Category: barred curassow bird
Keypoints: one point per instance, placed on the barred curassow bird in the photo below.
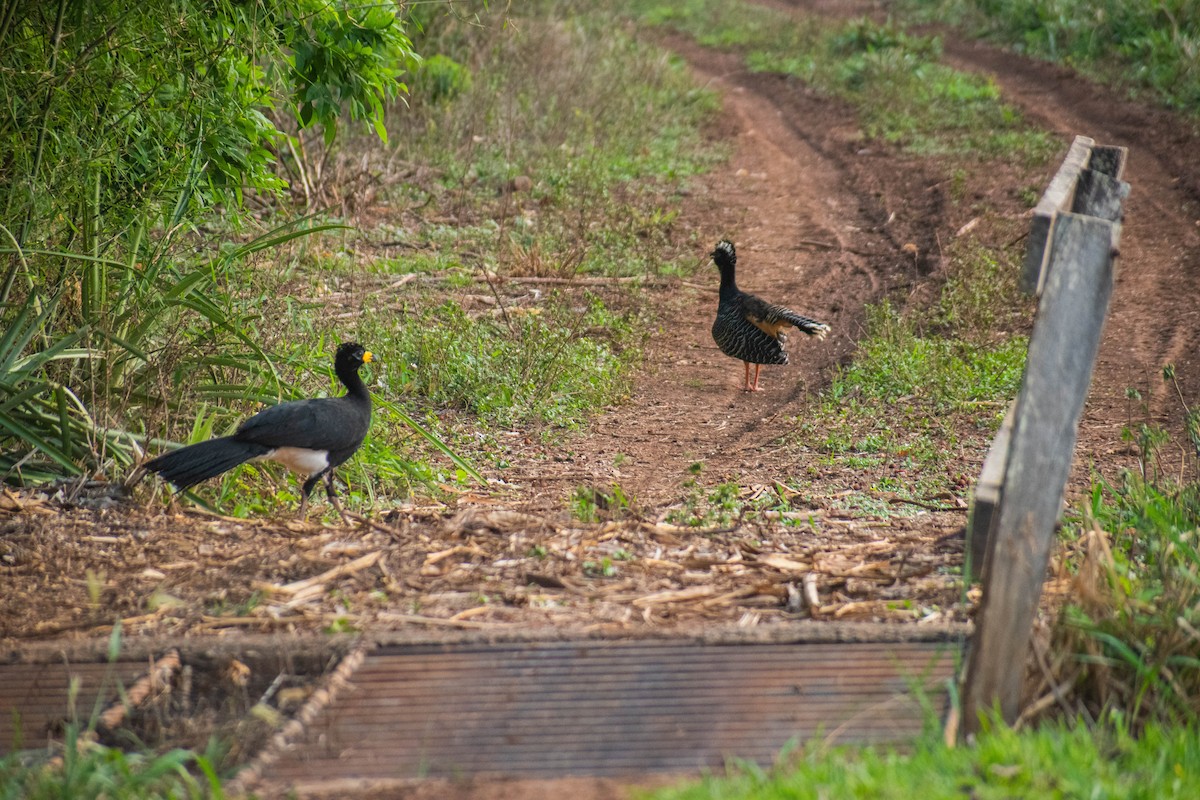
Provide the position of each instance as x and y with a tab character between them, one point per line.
750	328
309	437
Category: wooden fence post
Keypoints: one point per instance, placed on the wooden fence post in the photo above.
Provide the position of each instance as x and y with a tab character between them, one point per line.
1020	492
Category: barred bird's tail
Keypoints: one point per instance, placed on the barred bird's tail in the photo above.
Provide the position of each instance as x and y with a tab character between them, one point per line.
806	325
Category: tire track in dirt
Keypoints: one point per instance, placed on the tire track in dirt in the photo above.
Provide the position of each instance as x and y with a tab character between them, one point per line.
800	176
805	239
1154	318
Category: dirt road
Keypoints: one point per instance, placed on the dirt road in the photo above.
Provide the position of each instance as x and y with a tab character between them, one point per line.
822	222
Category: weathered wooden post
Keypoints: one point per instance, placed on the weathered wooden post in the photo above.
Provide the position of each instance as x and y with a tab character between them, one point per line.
1069	263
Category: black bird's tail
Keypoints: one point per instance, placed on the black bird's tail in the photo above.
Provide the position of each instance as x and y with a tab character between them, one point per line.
189	465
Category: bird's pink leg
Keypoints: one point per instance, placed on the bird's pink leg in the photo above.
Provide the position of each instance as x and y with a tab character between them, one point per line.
755	388
746	380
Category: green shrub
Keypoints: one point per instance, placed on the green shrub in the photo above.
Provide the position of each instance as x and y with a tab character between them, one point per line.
441	78
89	771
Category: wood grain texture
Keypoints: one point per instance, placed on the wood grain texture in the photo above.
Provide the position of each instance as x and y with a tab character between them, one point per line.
1062	351
1057	197
987	496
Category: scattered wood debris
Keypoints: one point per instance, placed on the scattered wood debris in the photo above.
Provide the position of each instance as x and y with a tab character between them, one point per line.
75	571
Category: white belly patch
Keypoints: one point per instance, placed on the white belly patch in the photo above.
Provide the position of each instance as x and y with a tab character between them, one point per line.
299	459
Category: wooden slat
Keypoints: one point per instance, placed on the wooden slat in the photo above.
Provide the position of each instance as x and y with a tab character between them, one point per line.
1100	195
1062	351
1057	197
1109	159
987	497
554	709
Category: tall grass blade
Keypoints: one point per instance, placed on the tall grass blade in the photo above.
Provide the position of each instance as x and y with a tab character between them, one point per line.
434	440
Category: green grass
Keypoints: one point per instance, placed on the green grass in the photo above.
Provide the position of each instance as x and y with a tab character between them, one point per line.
728	503
555	367
95	772
894	79
590	504
1145	45
897	360
1134	547
925	391
1052	761
606	128
1140	621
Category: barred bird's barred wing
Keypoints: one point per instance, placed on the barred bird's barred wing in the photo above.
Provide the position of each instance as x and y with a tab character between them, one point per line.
739	335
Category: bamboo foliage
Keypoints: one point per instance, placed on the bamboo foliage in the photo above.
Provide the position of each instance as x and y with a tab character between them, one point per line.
123	130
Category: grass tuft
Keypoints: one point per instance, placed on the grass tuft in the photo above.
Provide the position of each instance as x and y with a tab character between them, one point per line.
1147	45
903	94
925	388
1134	617
1053	761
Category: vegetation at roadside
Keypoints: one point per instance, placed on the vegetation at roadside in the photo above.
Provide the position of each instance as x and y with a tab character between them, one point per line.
89	771
894	79
536	203
1053	761
1144	45
126	137
187	303
1130	638
926	385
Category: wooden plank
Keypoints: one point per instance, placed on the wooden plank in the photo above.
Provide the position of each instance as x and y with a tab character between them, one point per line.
987	496
1109	159
1100	195
1062	351
1057	197
35	699
594	708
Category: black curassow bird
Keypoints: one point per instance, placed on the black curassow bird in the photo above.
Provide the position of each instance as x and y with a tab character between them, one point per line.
309	437
750	328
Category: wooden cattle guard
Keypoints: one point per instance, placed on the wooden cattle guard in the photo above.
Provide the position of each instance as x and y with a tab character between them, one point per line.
1036	447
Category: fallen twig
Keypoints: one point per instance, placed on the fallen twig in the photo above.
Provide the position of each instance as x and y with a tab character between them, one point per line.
416	619
675	596
810	592
357	565
370	523
142	689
